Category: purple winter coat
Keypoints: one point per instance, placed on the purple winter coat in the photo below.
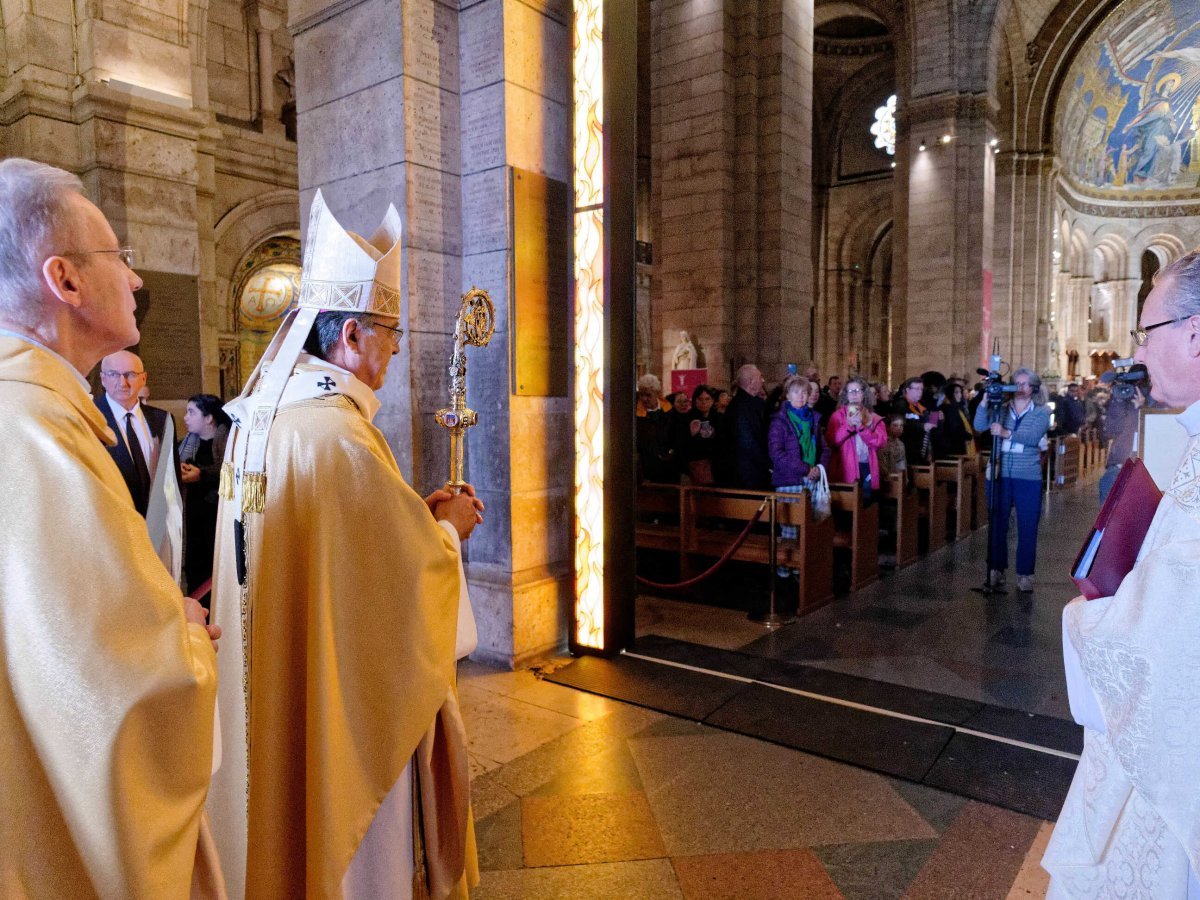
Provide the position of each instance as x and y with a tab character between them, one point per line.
787	462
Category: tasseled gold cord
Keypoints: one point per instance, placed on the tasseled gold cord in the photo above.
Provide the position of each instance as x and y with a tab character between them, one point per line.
225	486
254	492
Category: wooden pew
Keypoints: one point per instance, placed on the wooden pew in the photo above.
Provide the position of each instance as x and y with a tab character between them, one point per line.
1065	461
705	509
658	516
932	506
858	532
899	494
953	474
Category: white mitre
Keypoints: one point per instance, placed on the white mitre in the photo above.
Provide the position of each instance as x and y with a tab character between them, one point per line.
341	272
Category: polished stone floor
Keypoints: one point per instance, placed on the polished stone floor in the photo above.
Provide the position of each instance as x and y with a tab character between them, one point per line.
923	626
578	796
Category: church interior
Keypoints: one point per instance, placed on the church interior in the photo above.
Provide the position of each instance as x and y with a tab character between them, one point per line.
880	188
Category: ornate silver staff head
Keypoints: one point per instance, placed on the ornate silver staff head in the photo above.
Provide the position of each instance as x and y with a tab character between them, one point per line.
475	325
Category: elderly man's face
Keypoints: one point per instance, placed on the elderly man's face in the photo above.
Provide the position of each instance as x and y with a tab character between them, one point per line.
122	375
106	283
378	342
1171	353
752	383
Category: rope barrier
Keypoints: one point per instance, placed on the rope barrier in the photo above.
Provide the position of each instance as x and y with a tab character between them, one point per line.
708	573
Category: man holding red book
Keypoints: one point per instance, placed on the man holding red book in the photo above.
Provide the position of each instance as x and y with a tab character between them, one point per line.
1131	822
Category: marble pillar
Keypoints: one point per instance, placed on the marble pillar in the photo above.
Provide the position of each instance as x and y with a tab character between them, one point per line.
437	128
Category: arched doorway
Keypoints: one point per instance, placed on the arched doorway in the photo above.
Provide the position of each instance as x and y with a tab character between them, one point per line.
266	286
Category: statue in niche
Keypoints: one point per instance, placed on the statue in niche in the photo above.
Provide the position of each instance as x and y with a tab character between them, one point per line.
685	353
287	115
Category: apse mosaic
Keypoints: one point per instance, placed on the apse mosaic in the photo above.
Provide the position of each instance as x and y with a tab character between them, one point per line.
1129	115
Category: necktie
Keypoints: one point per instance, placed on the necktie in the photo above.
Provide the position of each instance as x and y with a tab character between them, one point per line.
135	450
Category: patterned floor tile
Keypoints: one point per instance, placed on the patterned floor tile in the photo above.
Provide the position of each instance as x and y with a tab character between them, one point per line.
879	871
652	879
498	838
766	875
978	857
589	828
1032	880
732	794
503	729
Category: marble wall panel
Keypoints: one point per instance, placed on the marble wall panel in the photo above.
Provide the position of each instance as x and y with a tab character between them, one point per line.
537	133
534	47
432	126
543	527
355	134
483	129
486	201
482	54
358	49
433	290
430	42
434	200
148	62
540	615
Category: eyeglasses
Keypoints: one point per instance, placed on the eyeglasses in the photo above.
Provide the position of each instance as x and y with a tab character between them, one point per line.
397	333
127	376
125	252
854	389
1140	335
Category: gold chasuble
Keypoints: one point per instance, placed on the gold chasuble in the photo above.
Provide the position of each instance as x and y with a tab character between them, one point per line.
106	692
341	659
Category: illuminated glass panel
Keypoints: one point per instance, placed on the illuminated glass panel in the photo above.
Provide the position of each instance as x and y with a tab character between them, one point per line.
588	74
884	127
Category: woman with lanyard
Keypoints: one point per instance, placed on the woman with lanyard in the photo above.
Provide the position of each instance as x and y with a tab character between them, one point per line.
1022	428
794	443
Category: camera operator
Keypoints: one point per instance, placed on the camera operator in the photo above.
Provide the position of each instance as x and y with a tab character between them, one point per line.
1120	426
1021	424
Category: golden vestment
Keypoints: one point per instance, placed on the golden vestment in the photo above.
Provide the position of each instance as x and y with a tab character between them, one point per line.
106	692
347	622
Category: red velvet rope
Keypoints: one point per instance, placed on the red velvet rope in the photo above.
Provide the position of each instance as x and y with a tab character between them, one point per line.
733	548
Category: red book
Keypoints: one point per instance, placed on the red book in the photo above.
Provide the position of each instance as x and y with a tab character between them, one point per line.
1111	550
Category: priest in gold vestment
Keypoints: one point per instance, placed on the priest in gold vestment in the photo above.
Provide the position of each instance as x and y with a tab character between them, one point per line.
107	675
344	769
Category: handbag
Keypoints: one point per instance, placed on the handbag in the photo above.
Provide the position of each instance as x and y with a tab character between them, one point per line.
821	504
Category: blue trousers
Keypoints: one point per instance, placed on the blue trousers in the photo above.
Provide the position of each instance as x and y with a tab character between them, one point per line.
1026	496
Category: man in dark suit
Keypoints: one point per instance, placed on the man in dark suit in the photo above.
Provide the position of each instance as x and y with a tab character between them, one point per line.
141	429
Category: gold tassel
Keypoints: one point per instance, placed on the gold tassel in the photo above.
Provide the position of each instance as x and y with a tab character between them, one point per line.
225	486
254	492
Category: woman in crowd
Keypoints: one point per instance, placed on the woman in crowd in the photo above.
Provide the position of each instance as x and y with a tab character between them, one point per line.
794	441
702	435
918	422
201	453
724	398
954	436
855	434
1022	428
883	399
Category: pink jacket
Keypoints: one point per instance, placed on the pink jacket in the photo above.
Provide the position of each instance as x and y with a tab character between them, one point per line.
843	454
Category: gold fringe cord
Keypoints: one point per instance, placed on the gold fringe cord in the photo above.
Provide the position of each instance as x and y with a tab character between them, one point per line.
254	492
225	486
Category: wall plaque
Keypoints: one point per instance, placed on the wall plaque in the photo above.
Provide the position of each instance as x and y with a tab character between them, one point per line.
540	241
168	315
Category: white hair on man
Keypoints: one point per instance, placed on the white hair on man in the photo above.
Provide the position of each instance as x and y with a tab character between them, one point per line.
36	219
649	384
746	374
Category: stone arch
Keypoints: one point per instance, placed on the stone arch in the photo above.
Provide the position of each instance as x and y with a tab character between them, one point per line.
237	234
1167	247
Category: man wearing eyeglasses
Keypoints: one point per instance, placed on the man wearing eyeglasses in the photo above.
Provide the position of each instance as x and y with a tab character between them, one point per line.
1130	821
107	673
141	429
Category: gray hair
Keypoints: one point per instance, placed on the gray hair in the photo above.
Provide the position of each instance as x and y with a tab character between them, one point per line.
650	384
35	219
868	399
744	374
1186	272
1035	382
327	330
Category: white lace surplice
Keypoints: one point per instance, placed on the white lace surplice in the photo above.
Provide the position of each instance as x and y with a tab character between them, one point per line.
1130	827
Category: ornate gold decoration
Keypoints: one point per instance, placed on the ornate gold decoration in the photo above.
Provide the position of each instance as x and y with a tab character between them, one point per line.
475	325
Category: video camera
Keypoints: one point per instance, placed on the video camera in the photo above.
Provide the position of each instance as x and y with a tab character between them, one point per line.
1124	378
993	384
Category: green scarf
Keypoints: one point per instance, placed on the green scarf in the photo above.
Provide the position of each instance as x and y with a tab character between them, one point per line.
802	423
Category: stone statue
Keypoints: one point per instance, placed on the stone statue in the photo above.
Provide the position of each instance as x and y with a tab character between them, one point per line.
685	353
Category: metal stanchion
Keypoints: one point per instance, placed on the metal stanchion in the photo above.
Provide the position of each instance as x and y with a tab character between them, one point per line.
772	619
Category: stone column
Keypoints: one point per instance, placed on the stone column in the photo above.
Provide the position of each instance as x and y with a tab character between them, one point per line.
515	110
388	128
949	233
731	124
